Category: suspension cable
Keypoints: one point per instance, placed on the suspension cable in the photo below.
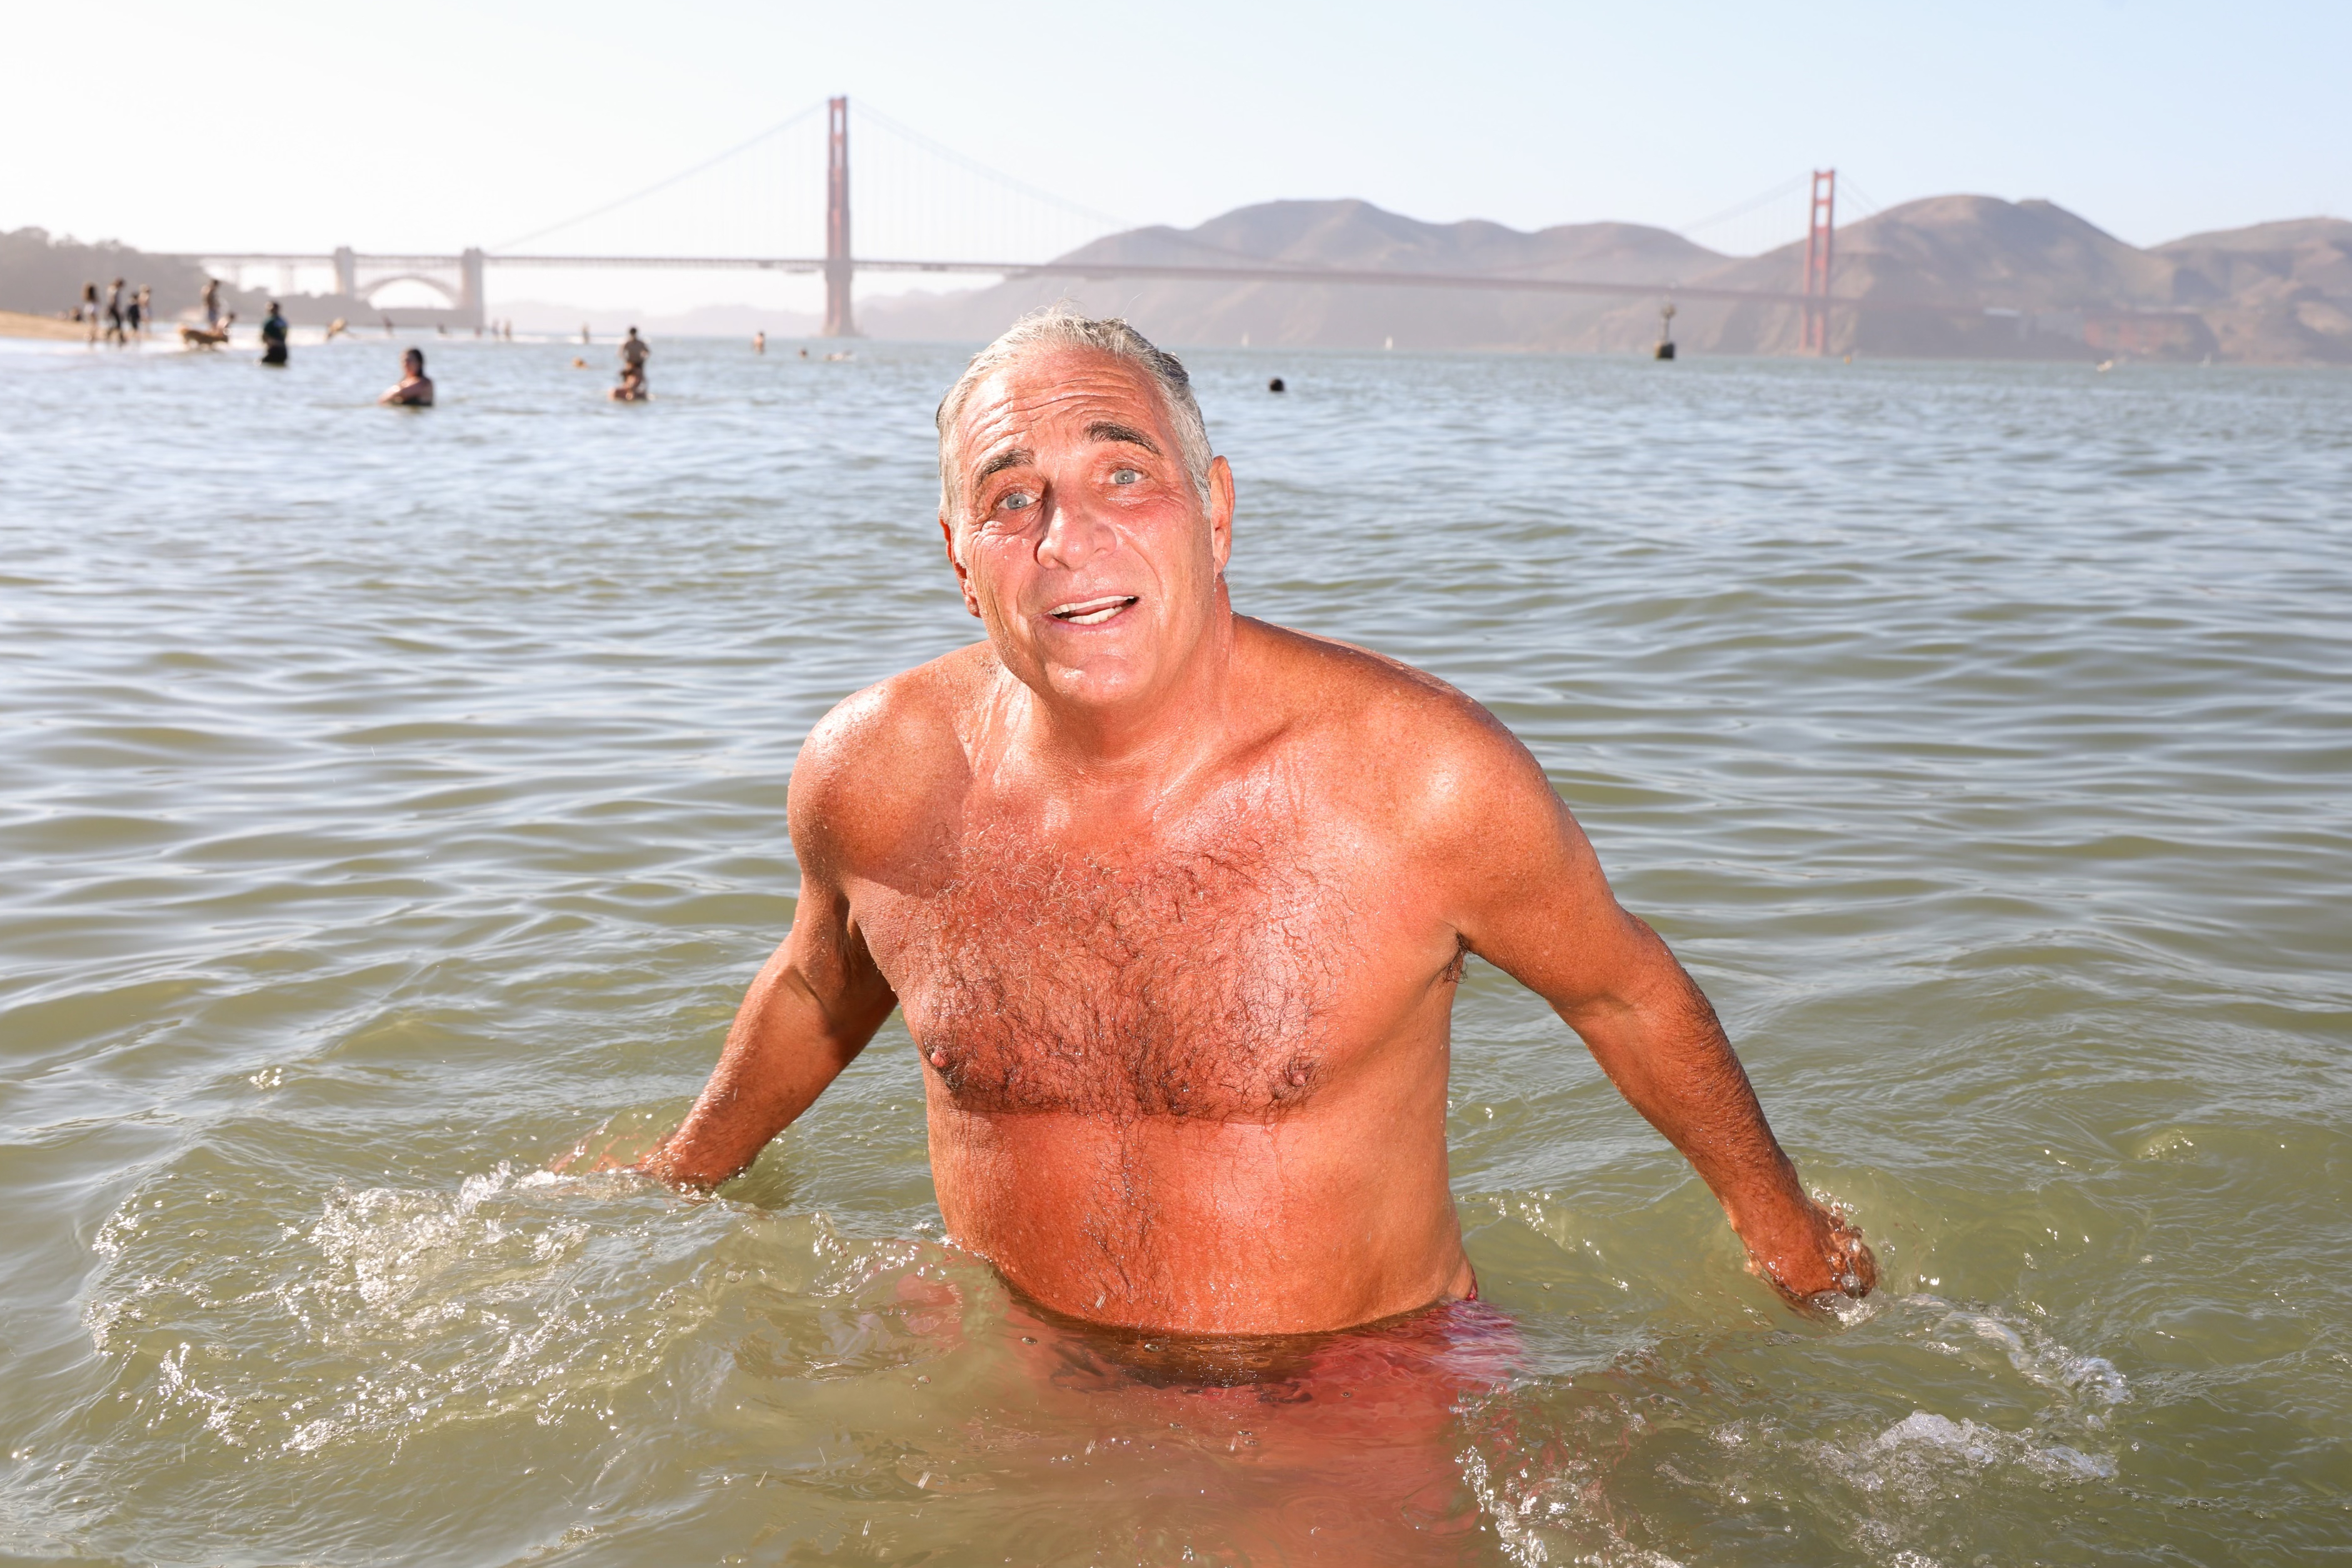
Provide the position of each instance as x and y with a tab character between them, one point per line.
599	212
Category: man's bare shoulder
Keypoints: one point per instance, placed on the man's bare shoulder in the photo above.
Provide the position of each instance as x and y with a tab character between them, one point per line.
880	769
1432	758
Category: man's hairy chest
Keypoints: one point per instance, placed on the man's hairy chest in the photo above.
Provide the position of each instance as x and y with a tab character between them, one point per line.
1205	977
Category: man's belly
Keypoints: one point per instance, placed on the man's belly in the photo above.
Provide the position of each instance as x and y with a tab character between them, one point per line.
1316	1220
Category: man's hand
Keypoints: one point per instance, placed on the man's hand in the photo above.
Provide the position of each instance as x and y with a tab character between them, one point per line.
1816	1254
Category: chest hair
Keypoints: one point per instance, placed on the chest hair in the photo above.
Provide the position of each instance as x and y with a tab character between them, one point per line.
1188	979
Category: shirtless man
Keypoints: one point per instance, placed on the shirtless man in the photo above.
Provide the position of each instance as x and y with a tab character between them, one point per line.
414	389
1176	902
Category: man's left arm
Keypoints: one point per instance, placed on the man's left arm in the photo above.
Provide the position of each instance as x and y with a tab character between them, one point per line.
1532	900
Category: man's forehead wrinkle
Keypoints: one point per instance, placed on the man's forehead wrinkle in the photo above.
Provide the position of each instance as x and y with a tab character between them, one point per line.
1114	402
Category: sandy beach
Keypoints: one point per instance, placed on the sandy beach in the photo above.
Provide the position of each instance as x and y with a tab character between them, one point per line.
17	324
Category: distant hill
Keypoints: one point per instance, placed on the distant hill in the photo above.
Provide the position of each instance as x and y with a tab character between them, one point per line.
1975	276
42	276
1353	233
2279	292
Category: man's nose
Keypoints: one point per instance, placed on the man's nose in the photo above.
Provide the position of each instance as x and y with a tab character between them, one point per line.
1074	535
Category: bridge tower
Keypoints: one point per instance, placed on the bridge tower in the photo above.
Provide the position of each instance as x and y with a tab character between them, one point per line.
1820	232
839	322
347	270
469	287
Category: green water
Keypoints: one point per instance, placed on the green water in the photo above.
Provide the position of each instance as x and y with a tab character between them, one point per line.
387	799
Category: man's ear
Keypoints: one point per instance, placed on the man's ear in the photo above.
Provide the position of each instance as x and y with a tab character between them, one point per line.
1220	511
964	577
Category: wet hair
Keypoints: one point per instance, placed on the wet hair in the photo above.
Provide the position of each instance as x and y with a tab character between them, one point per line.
417	354
1059	327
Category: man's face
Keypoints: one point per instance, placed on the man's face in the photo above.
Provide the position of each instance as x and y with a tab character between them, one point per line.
1079	537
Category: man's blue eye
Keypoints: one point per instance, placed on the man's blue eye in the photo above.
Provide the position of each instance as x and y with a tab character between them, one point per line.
1126	477
1017	500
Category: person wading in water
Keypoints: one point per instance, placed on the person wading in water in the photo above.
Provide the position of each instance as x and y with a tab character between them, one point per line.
635	352
414	388
1176	904
273	336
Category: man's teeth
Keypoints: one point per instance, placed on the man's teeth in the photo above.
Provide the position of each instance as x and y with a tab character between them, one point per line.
1092	611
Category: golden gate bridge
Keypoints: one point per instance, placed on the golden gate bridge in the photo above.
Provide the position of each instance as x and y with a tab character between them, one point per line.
458	279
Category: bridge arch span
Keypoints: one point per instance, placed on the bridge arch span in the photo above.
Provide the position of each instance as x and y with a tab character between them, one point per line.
377	286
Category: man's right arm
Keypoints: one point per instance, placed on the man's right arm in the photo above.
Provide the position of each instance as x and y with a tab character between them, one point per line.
806	1016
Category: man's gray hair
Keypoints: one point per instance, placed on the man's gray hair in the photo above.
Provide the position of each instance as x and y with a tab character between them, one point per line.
1059	327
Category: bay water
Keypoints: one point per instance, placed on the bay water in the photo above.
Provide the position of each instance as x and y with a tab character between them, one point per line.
390	801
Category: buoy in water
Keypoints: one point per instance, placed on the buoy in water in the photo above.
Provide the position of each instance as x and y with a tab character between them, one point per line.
1276	385
1666	349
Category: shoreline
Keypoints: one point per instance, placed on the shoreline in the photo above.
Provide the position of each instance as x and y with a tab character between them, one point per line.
18	324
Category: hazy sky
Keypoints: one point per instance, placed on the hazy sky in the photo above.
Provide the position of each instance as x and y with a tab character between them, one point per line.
428	124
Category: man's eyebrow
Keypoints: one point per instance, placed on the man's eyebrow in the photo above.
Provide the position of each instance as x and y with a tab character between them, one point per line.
1011	457
1105	430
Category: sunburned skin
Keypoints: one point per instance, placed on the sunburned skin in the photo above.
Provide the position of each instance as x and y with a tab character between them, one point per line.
1175	904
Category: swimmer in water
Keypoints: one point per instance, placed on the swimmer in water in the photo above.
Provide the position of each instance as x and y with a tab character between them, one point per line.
1176	904
632	388
414	389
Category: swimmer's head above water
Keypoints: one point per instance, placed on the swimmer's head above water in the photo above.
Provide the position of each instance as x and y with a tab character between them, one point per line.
1175	902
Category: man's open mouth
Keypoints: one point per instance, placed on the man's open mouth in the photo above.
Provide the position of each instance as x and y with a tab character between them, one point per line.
1091	611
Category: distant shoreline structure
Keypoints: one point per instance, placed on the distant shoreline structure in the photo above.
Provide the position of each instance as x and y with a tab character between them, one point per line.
1947	276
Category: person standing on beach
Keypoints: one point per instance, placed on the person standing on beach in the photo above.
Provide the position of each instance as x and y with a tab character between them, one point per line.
89	310
212	305
134	313
273	336
114	314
